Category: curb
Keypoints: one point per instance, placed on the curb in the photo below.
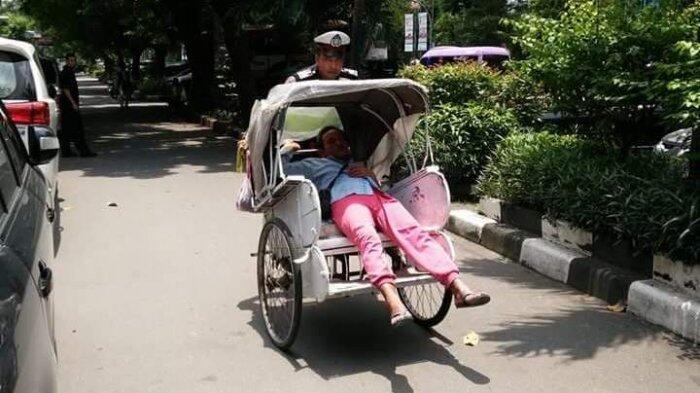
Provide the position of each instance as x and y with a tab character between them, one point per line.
562	264
548	259
662	305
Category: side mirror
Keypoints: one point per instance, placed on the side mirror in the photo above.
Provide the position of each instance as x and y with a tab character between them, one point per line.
52	91
43	145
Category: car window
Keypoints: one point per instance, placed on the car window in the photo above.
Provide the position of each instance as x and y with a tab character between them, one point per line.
305	122
495	61
8	180
47	66
16	81
14	146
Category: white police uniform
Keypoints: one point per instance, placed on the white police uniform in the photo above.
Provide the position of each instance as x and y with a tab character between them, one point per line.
334	39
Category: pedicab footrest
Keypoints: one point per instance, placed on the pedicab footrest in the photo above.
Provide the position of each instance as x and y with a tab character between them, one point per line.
337	289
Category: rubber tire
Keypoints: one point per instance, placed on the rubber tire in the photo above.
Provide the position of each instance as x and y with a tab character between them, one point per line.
439	315
296	282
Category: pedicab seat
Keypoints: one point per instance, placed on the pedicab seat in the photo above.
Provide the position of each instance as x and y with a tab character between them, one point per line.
333	242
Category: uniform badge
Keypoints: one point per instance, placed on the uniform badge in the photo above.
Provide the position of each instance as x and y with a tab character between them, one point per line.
336	41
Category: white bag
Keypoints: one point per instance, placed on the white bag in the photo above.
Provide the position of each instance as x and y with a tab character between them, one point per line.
244	201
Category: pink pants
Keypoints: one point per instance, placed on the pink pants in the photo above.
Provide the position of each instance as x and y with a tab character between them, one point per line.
358	216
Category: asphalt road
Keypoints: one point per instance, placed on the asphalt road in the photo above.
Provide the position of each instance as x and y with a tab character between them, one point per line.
157	294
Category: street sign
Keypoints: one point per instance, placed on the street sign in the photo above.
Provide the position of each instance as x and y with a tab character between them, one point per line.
422	31
408	33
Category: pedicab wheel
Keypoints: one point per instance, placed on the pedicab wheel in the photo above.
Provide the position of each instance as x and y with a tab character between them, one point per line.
428	303
279	284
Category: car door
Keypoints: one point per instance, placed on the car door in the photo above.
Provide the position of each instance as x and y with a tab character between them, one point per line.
27	350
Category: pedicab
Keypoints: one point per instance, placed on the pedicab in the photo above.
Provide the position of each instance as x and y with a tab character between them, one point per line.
302	258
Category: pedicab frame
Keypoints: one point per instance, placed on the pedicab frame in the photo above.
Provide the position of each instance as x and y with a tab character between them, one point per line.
301	258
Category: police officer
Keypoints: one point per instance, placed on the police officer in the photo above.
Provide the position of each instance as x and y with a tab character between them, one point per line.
330	54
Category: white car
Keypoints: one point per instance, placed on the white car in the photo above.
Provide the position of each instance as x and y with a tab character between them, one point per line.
29	101
676	142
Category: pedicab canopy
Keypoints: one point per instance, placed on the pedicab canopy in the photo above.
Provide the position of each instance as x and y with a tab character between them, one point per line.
378	117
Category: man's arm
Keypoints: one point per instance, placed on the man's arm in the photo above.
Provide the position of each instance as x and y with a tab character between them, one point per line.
66	93
362	171
63	83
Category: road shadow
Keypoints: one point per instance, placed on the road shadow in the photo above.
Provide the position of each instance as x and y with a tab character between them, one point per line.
688	350
352	336
574	333
145	142
149	151
571	333
511	273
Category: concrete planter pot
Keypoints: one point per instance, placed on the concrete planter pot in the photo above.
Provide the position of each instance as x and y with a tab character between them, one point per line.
222	126
682	277
207	121
566	234
508	213
491	208
522	218
621	253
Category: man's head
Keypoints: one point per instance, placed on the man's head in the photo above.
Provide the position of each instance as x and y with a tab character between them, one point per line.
330	53
70	60
333	143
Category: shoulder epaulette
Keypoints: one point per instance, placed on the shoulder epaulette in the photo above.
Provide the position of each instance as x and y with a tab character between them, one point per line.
304	74
349	73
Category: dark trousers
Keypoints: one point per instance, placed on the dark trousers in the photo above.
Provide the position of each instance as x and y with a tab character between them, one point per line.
72	131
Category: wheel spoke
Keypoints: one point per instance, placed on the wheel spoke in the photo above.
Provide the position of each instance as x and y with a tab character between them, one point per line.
278	287
425	301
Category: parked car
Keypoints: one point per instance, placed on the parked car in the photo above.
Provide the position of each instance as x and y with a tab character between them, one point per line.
27	342
30	102
493	56
676	142
50	68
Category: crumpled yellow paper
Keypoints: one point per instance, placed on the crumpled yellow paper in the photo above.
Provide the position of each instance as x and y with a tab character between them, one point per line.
471	339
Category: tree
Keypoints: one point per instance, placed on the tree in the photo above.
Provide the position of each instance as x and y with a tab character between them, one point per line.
598	60
678	91
470	22
16	25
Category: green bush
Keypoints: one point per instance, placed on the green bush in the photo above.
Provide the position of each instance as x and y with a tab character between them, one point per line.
462	137
460	83
456	83
613	62
584	182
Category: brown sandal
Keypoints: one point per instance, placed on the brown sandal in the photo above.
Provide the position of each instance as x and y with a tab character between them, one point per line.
400	318
473	299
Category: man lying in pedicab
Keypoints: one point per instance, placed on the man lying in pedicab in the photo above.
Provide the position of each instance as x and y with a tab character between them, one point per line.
359	207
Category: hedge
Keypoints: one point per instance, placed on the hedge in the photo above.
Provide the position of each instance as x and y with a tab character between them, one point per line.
462	138
643	199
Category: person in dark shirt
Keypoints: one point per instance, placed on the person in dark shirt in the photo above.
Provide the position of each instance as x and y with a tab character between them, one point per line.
71	121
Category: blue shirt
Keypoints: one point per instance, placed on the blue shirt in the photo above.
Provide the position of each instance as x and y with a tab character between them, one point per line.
322	171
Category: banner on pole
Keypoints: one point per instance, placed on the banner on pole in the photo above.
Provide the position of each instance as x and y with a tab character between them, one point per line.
408	33
422	31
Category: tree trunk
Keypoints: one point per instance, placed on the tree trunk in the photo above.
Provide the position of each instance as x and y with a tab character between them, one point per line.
136	64
195	27
357	41
694	158
239	54
159	60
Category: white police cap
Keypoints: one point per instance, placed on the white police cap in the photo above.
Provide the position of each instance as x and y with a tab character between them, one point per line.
335	39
